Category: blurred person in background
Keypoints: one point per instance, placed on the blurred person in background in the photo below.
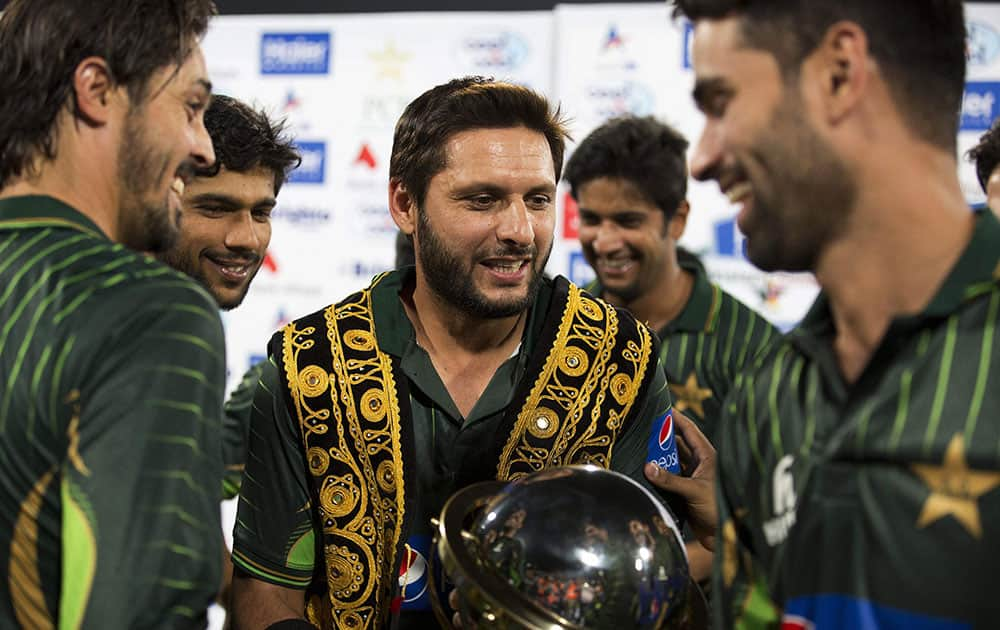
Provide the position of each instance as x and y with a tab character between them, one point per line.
113	364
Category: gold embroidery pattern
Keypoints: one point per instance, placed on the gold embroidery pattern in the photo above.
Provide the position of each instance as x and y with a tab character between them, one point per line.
25	582
351	431
568	418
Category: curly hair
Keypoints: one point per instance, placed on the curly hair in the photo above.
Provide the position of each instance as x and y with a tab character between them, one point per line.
919	46
986	154
43	41
423	130
245	139
643	151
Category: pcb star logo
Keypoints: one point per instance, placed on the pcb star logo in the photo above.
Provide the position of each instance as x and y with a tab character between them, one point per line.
955	489
690	396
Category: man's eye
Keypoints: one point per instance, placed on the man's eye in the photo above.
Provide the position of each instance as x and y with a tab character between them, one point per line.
482	201
540	201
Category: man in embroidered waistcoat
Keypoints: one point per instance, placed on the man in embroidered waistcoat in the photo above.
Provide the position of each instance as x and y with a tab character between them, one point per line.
224	233
112	364
859	468
629	177
469	366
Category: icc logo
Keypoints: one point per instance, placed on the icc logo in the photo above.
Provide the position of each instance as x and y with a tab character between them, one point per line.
783	494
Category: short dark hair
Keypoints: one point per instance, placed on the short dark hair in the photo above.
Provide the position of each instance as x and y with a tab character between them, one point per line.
986	154
643	151
919	45
245	139
423	130
43	41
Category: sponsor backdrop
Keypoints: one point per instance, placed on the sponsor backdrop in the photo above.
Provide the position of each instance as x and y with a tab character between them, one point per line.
342	80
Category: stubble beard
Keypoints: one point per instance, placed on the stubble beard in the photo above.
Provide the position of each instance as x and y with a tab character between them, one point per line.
810	206
146	223
443	270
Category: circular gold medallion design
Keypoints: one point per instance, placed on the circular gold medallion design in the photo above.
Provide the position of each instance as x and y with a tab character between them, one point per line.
543	423
359	340
573	361
591	309
386	476
340	572
318	459
313	380
373	405
351	620
337	500
621	385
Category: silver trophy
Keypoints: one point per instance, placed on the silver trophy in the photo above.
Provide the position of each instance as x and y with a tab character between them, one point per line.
571	547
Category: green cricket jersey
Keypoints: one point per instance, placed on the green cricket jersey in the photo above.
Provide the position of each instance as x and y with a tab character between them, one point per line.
706	345
236	429
274	539
874	504
112	373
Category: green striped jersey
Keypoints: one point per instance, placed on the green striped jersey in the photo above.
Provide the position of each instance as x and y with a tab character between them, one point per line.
706	345
111	379
877	503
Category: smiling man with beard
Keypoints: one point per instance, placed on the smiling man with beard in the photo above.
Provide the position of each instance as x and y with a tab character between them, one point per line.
225	229
859	472
629	177
112	364
468	366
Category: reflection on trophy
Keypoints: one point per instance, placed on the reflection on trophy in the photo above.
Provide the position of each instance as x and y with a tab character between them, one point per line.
572	547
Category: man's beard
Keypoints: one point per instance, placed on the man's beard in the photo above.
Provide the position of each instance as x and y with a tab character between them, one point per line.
146	224
811	196
447	278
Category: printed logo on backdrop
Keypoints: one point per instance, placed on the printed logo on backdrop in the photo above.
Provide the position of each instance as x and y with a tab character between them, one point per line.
302	216
614	55
580	271
255	358
983	43
380	111
500	51
728	240
571	217
270	264
389	61
375	220
295	53
312	170
608	100
366	157
979	105
688	43
366	269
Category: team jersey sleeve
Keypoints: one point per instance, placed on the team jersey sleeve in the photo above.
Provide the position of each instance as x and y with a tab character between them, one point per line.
273	540
631	448
741	597
140	485
235	429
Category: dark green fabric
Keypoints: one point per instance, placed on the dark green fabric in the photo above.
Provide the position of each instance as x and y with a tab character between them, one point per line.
112	369
835	489
706	345
272	517
236	429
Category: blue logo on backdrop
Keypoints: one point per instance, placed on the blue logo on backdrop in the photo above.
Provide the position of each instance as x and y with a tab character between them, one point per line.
979	105
580	271
497	51
312	170
983	42
728	240
687	41
295	53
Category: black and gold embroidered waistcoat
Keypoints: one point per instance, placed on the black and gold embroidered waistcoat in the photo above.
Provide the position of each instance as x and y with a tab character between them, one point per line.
584	382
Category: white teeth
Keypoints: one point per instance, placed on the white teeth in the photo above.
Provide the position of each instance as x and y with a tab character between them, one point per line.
510	268
738	191
615	264
178	186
